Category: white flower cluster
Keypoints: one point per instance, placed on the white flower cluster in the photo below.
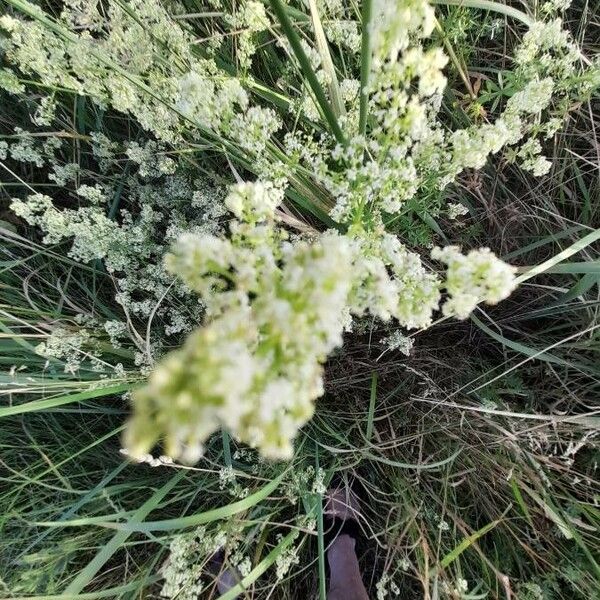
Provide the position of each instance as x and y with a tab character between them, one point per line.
555	6
394	23
286	560
345	33
151	159
163	95
391	282
458	589
94	235
70	346
10	82
456	210
406	154
532	159
183	571
473	278
381	172
253	128
148	459
131	242
398	341
28	149
45	112
254	202
301	482
533	99
189	557
228	481
255	367
249	19
386	587
275	311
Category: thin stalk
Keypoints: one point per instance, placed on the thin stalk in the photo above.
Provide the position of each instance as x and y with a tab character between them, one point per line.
318	506
372	400
323	47
455	60
307	70
365	65
497	7
226	448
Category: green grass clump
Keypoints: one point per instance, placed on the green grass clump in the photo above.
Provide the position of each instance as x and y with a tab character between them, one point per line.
472	444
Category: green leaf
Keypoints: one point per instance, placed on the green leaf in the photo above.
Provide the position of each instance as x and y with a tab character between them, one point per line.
38	405
555	260
372	401
466	542
497	7
519	498
551	513
518	347
201	518
114	592
591	267
415	466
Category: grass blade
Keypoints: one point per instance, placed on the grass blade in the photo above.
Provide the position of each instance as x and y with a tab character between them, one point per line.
579	245
86	575
307	70
591	267
323	48
497	7
466	542
204	517
114	592
318	509
372	400
38	405
365	65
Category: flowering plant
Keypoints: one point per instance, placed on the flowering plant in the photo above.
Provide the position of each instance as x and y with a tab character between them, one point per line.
360	153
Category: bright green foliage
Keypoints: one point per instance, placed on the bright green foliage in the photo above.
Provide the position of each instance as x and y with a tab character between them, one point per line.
276	308
229	210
